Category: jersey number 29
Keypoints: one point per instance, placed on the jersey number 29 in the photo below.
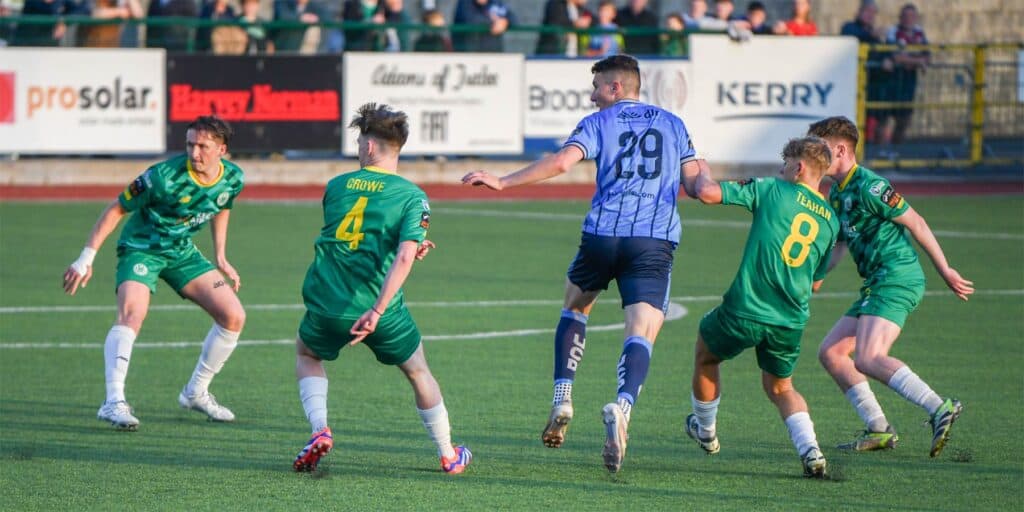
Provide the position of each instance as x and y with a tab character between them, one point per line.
628	142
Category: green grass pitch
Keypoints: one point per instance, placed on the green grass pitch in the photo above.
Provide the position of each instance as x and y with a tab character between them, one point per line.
55	455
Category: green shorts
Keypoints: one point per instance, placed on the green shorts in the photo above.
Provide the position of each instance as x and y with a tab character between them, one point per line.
888	300
394	341
727	336
177	268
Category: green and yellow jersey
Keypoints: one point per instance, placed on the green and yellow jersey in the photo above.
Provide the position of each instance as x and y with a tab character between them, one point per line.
866	203
170	203
788	248
367	214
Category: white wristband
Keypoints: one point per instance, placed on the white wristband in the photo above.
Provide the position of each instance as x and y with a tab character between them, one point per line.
84	261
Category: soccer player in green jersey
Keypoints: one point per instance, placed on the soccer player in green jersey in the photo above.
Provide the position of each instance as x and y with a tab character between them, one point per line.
766	307
171	201
875	220
375	225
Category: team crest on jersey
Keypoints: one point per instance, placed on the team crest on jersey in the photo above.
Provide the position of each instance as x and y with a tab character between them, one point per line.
140	270
222	199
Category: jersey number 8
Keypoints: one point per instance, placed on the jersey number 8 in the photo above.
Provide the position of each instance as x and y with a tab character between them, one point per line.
796	237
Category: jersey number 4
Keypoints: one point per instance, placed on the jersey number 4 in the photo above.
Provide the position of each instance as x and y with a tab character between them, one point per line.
350	229
796	237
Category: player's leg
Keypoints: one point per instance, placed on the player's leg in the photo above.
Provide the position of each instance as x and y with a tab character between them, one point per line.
587	276
835	356
132	306
312	380
875	337
701	423
430	406
793	409
215	296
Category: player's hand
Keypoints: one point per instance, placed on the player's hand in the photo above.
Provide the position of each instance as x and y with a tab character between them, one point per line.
960	286
424	249
484	178
364	326
230	273
75	277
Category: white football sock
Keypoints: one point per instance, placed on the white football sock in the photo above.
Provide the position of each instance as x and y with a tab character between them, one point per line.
706	413
435	420
801	432
867	406
217	347
910	386
117	351
313	393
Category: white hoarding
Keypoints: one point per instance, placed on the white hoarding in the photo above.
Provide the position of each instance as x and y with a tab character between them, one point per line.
457	103
750	97
557	92
67	100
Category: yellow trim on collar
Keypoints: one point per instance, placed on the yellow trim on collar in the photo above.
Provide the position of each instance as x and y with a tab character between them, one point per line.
811	189
381	170
195	177
848	177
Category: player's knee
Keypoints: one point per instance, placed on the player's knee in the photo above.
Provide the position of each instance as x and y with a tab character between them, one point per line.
865	363
233	319
131	318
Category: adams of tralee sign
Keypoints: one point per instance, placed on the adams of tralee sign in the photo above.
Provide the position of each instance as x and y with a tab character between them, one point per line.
749	98
72	100
457	103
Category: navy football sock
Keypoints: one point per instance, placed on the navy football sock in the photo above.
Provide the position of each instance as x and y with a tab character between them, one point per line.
633	365
570	339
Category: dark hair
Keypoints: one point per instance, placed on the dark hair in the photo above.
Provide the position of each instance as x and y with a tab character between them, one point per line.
432	13
835	127
618	63
755	6
382	123
812	150
677	16
214	126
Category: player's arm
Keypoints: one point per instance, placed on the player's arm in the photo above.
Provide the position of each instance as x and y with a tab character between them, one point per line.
815	286
393	281
705	187
688	172
219	232
80	271
919	229
838	252
540	170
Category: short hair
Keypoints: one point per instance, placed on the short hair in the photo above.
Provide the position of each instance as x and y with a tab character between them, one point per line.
812	150
382	123
430	14
908	6
604	3
677	16
621	63
755	6
837	127
214	126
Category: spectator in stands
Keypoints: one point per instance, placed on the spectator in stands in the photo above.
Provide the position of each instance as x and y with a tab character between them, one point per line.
673	44
434	41
6	28
906	65
570	15
217	10
393	11
724	10
606	43
756	19
878	78
45	34
362	40
298	40
107	35
258	41
175	38
801	23
636	14
493	14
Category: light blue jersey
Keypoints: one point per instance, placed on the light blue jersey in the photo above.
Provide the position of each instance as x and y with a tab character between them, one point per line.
638	149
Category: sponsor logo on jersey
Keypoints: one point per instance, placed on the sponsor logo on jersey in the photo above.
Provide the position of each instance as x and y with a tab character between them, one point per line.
425	220
222	199
137	187
140	270
891	197
185	200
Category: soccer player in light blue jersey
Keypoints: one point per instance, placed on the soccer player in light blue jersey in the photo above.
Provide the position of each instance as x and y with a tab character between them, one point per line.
642	153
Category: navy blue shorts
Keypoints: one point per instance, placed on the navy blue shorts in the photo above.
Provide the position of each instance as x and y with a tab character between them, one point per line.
642	267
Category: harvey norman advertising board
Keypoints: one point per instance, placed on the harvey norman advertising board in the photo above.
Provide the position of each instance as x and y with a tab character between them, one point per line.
751	97
69	100
557	92
457	103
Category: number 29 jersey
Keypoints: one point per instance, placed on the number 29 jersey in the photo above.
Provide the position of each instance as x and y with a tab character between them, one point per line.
638	149
367	214
788	248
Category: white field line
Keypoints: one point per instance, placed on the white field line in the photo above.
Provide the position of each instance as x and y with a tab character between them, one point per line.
675	312
697	222
16	310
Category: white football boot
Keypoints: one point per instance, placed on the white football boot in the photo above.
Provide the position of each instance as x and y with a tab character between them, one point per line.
206	404
119	414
